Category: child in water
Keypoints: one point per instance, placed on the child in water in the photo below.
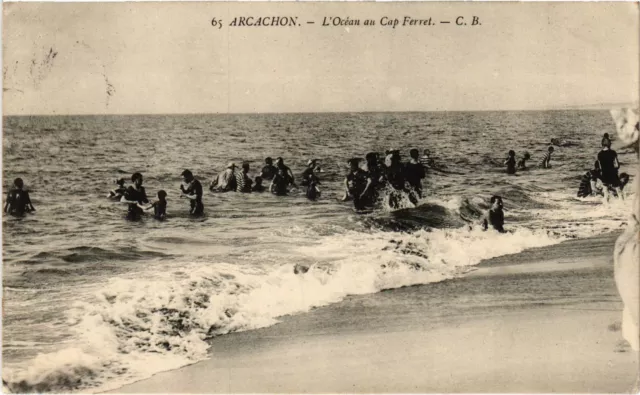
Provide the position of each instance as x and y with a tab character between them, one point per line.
522	163
511	162
313	192
545	163
119	191
160	206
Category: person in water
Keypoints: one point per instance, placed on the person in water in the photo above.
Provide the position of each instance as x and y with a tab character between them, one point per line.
18	200
313	192
192	189
309	172
226	181
376	175
159	206
609	165
426	160
135	196
119	191
590	184
495	216
545	162
414	173
357	183
624	180
286	170
522	163
269	170
511	162
257	185
280	183
243	182
395	176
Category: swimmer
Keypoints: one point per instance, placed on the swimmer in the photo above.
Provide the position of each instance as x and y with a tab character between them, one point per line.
269	170
357	183
545	163
193	192
426	159
135	196
590	184
308	172
414	173
225	181
160	206
119	191
257	185
280	183
495	215
522	163
243	182
395	177
511	162
313	192
609	165
286	170
18	200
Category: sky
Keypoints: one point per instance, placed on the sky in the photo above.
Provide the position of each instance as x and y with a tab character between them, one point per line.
146	58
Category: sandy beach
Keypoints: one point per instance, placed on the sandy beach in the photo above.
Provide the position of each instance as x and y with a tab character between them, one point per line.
545	320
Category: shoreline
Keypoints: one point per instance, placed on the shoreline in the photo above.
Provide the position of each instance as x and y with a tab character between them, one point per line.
543	320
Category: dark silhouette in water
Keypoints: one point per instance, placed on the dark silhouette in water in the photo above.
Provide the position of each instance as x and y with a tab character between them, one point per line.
193	192
160	206
18	201
135	196
414	173
511	162
357	183
495	215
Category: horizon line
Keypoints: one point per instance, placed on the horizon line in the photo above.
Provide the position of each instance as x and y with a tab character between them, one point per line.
592	107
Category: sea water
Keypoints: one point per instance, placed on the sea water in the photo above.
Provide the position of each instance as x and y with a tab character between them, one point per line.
92	301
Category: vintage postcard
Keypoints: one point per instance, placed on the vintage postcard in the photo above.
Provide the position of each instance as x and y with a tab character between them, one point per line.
307	197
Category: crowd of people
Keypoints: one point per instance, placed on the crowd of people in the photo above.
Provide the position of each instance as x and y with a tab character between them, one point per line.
602	180
364	183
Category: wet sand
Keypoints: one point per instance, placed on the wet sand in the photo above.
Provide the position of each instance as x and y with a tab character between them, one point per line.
545	320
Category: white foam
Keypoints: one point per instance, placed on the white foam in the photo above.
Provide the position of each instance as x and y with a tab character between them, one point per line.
126	330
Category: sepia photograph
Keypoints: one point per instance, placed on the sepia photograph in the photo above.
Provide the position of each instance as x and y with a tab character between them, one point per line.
320	197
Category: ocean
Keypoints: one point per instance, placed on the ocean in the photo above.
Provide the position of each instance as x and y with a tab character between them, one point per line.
92	301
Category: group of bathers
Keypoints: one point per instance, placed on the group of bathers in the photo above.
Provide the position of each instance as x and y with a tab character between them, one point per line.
604	179
362	184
